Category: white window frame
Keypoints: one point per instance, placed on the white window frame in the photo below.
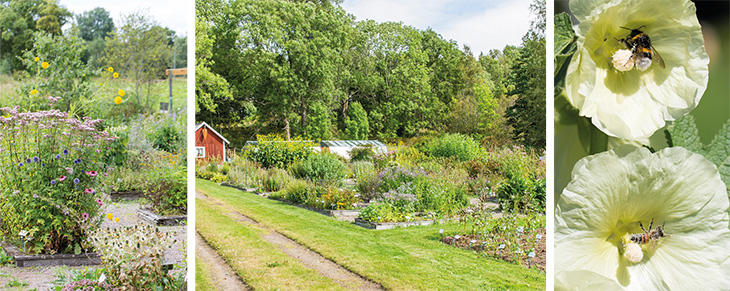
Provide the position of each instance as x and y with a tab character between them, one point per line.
198	152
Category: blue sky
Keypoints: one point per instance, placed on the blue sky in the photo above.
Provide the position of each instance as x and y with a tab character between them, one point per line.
169	13
482	25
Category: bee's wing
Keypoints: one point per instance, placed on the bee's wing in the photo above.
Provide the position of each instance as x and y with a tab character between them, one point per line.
657	57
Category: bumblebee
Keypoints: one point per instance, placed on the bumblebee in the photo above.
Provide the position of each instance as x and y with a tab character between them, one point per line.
642	52
651	235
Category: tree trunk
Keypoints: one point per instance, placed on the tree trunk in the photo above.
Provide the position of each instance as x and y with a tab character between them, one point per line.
286	128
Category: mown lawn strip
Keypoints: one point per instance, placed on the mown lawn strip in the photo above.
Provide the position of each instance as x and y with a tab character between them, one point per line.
403	258
261	265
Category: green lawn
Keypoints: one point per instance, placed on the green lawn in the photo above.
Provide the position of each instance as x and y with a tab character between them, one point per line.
260	264
202	276
399	259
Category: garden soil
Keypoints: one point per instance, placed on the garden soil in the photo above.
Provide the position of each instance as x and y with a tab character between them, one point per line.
306	256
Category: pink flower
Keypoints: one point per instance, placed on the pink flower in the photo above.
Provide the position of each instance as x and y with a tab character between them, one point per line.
61	178
70	171
92	173
88	190
85	216
99	201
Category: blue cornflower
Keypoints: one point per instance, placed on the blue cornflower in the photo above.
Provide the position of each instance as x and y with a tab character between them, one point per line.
76	180
58	156
36	159
65	152
53	182
20	164
76	161
27	160
43	164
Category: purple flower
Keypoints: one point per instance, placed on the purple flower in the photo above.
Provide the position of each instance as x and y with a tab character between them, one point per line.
20	164
35	196
53	182
36	159
58	156
65	152
43	164
76	161
27	160
76	180
99	202
85	216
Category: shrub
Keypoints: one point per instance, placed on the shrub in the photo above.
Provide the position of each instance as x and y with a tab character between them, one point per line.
323	168
272	151
52	178
274	179
362	153
367	184
167	192
362	169
522	195
458	146
168	139
337	199
297	191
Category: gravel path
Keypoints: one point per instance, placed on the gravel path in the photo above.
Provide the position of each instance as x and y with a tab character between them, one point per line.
301	253
41	277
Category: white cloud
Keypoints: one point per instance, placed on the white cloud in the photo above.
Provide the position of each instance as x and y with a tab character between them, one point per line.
482	25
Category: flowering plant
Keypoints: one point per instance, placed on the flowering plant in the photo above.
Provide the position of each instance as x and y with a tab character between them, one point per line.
51	186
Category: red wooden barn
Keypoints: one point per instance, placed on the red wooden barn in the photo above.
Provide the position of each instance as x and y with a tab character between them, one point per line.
209	143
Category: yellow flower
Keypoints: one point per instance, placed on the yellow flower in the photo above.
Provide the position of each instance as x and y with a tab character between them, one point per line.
36	59
116	219
33	92
110	216
110	69
121	92
116	75
44	65
118	100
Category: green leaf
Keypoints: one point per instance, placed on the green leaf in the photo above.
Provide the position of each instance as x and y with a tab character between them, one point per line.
77	249
684	134
565	40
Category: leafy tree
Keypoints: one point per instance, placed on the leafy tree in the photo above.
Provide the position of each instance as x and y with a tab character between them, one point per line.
140	48
19	19
319	126
356	123
94	24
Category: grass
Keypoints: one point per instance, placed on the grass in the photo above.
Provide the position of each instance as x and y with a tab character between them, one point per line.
203	280
159	91
399	259
260	264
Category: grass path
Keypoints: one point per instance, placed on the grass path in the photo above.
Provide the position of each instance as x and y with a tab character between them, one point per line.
398	259
212	269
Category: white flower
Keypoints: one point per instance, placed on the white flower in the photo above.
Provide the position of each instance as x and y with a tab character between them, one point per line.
633	104
611	193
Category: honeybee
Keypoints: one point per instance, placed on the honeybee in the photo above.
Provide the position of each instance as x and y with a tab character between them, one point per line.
642	52
651	235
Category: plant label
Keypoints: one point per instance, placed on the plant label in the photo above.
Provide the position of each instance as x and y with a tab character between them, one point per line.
538	237
531	254
23	233
501	246
441	231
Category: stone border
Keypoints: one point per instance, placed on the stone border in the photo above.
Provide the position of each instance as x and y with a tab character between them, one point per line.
23	260
390	225
152	218
239	188
128	196
333	213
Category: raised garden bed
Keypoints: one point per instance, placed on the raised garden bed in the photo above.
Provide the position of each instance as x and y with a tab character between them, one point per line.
346	215
23	260
128	196
153	218
390	225
239	188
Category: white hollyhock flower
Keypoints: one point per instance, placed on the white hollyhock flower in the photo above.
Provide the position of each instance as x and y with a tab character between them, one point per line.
611	193
633	103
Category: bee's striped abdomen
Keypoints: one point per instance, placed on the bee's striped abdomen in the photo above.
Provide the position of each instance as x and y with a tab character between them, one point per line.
640	238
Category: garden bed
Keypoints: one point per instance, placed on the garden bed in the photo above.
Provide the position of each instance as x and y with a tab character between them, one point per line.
23	260
127	196
245	189
346	215
390	225
465	242
155	219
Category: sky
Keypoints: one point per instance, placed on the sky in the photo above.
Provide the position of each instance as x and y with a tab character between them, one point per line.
168	13
483	25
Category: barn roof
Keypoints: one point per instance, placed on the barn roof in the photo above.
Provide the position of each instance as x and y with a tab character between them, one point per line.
199	125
